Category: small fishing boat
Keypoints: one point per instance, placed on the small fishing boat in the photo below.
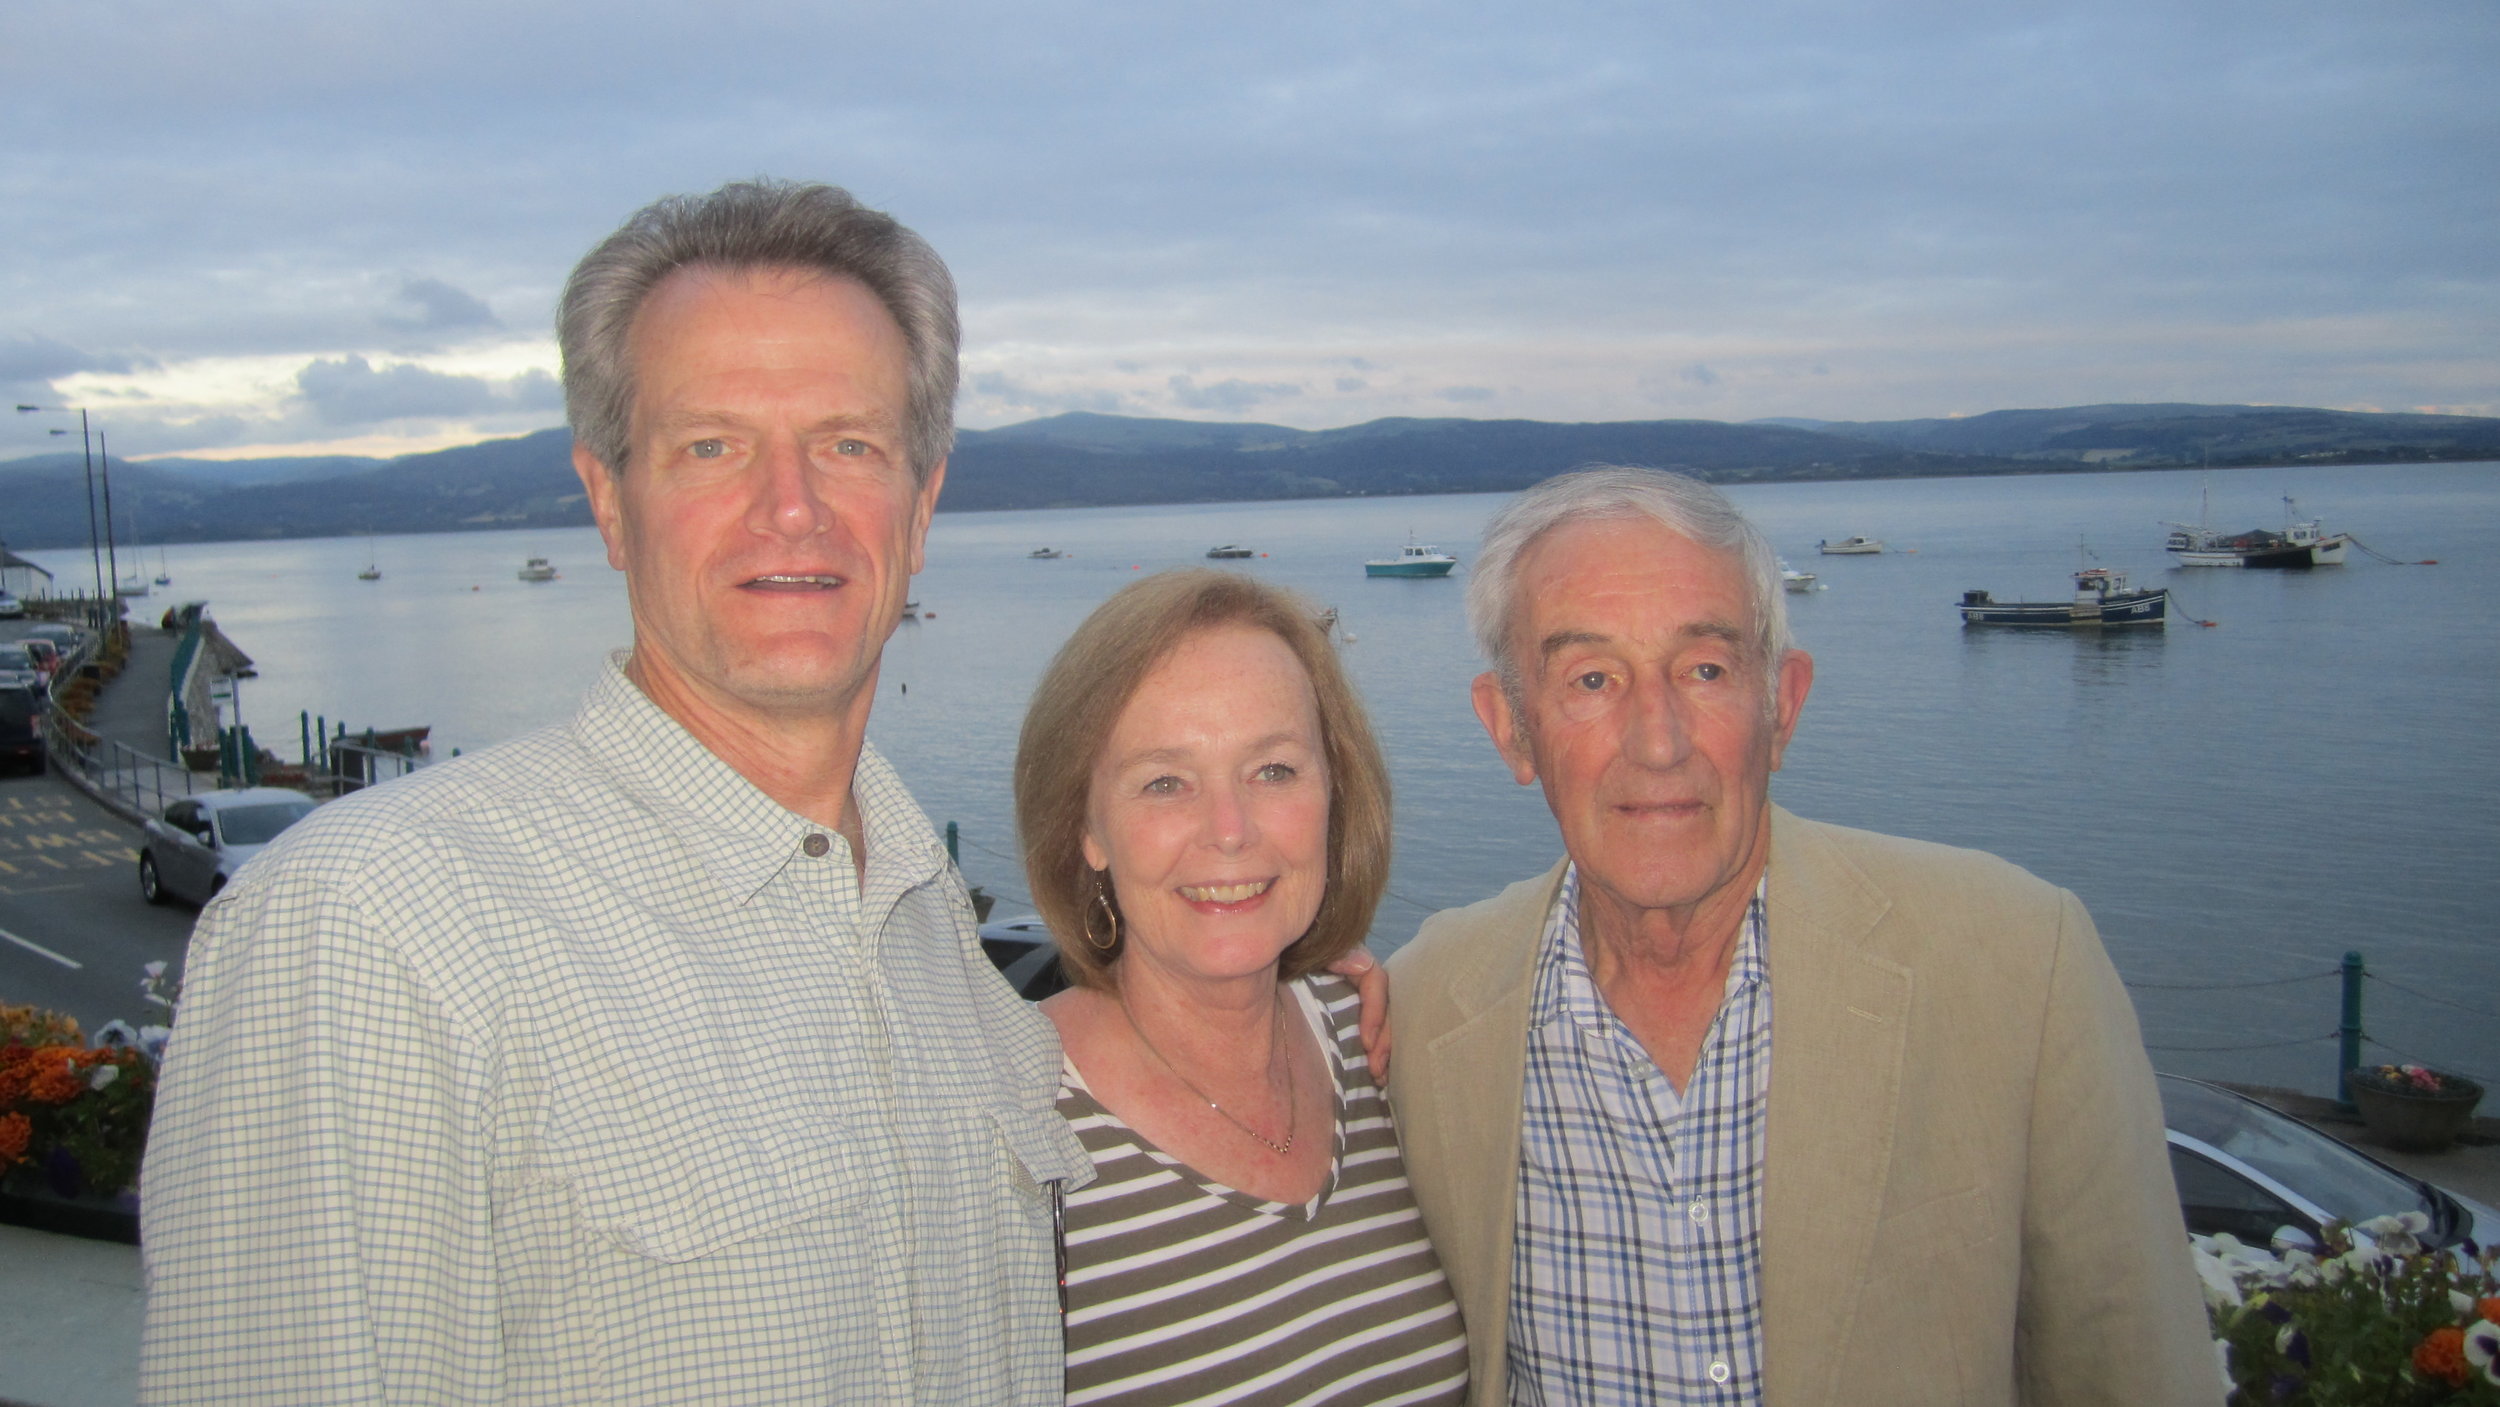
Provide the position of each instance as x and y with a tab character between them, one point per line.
1414	559
2101	598
1230	550
1850	547
370	573
2300	546
1796	580
537	569
1044	554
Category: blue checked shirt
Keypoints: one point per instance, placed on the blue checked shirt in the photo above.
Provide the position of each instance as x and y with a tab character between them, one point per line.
1636	1275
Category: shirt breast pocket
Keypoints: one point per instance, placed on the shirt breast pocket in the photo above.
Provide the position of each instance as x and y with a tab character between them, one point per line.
687	1193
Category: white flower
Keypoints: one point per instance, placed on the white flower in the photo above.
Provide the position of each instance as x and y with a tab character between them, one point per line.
2482	1348
2222	1359
2222	1291
2462	1303
2398	1235
152	1041
116	1033
154	970
103	1075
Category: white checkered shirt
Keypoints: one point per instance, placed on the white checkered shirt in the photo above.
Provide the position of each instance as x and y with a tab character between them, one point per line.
579	1071
1636	1275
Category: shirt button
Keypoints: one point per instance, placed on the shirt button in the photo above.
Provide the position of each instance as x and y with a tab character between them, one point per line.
815	845
1719	1371
1699	1212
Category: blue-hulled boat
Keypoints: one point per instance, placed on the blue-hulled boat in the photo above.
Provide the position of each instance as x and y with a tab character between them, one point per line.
2101	599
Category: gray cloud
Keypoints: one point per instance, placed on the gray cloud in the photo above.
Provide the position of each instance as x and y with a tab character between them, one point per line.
34	359
439	307
1949	206
1003	390
1231	395
350	391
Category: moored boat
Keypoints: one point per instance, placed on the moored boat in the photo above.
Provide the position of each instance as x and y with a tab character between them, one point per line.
1230	550
1414	559
2300	546
1044	554
1796	580
2101	599
537	569
1850	547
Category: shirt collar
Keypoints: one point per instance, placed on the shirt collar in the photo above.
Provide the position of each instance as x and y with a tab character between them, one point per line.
1573	992
741	836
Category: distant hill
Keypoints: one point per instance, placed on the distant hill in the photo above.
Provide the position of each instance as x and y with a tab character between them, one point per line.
2132	435
1084	459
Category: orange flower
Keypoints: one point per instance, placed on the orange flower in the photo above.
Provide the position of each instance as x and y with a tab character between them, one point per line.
2489	1308
54	1076
16	1131
2442	1356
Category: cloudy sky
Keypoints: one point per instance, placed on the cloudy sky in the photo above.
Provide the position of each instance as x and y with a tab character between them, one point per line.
295	226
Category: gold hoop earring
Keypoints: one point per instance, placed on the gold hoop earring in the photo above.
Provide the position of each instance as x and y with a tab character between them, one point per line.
1111	916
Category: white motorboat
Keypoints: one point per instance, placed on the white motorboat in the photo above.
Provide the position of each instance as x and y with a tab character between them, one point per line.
537	569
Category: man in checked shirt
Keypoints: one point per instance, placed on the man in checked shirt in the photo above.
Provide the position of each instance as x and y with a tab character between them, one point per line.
649	1058
1734	1107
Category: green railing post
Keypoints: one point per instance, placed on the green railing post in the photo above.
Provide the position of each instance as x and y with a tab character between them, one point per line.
303	728
2348	1046
951	840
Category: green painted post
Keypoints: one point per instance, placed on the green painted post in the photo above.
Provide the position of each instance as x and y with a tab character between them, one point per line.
2348	1048
951	853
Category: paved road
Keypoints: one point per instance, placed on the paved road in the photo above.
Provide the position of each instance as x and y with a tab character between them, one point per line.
74	932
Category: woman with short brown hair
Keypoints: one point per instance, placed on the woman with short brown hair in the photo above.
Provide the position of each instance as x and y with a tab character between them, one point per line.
1206	824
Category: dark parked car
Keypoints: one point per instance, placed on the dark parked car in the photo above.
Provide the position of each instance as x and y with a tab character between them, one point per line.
22	707
197	845
2248	1170
1025	956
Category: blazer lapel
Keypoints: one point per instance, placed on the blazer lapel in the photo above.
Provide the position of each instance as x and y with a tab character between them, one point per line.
1469	1134
1839	1026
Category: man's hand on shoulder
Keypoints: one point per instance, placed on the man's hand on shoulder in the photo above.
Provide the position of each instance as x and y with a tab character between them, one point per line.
1371	985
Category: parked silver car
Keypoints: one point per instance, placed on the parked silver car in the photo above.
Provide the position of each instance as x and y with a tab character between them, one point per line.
2251	1171
197	845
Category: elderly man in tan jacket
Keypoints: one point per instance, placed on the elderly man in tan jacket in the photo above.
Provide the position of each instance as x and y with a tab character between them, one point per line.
1733	1107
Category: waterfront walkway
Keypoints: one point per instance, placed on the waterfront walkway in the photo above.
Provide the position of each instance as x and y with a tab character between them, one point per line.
131	773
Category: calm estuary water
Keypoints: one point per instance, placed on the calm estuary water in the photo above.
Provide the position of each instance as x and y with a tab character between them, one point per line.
2237	804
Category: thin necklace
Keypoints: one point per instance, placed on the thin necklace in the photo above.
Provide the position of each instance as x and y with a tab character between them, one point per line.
1292	1110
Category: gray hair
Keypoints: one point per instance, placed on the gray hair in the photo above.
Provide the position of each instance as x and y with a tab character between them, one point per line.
753	225
1677	502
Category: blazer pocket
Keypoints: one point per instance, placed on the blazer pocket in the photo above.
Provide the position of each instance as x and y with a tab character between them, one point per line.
1953	1222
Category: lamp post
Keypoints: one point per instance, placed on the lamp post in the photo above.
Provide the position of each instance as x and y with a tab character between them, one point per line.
112	564
87	452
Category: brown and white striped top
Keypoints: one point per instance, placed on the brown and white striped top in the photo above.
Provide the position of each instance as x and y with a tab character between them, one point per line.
1183	1290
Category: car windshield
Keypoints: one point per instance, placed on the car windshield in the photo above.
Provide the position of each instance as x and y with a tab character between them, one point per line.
259	825
2342	1183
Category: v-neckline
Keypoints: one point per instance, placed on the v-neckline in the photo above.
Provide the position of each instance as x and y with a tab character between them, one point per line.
1315	1019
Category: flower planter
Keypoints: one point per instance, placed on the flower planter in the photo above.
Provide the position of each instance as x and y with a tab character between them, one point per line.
27	1199
2415	1121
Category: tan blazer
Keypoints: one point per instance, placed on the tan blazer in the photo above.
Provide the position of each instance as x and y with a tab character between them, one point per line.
1966	1194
